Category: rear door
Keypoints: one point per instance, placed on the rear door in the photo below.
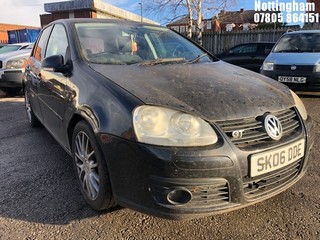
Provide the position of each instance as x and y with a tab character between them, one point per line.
33	71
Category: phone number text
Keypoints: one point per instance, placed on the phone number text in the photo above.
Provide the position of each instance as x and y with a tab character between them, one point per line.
286	18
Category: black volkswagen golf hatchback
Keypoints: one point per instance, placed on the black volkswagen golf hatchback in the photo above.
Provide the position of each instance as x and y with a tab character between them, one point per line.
156	123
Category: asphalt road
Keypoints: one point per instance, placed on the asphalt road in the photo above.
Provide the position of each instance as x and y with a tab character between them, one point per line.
39	198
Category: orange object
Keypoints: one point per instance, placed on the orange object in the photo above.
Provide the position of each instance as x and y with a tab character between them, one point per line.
134	47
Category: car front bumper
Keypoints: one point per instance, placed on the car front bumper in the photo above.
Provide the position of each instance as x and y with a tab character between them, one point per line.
11	78
181	183
312	84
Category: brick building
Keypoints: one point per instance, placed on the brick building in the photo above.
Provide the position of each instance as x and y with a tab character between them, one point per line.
4	28
317	5
224	21
181	25
86	9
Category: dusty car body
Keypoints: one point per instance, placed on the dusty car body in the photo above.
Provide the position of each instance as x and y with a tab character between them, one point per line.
161	128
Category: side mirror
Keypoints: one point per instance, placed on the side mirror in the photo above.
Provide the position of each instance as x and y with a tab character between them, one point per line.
55	64
230	52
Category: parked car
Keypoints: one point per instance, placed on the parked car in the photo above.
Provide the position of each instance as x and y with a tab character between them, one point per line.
295	61
14	47
247	55
162	129
2	45
12	66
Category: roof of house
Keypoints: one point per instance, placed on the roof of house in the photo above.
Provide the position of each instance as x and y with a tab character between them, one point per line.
245	16
181	21
242	16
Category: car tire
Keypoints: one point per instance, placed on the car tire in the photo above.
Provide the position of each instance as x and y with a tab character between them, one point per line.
91	168
32	119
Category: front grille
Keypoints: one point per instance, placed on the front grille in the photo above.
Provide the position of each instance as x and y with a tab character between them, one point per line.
299	68
206	193
253	131
254	188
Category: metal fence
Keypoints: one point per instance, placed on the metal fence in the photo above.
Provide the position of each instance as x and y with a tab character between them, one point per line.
219	42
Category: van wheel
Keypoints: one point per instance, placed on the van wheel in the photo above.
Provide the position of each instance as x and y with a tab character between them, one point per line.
91	168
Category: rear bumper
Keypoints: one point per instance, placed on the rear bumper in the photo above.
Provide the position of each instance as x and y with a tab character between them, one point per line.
11	79
312	84
186	183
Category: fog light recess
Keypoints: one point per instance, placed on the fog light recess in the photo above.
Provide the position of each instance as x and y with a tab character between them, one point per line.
179	196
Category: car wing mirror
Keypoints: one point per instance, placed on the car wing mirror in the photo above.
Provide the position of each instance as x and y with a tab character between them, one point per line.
55	64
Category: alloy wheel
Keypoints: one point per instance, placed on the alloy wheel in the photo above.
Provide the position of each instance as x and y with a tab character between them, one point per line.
87	165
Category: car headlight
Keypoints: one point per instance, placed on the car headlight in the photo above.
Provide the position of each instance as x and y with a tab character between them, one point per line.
268	66
14	64
167	127
300	106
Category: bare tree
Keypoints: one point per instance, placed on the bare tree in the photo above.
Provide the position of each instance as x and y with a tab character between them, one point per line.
194	10
190	24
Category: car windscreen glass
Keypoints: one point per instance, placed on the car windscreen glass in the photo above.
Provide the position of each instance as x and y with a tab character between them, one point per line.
30	46
9	48
300	42
109	43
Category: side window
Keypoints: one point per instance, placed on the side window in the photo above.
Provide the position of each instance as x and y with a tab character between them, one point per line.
39	50
267	48
251	48
58	42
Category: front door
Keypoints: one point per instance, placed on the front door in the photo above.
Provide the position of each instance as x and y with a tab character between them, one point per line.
52	91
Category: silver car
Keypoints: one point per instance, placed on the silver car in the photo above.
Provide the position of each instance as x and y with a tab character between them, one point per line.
295	61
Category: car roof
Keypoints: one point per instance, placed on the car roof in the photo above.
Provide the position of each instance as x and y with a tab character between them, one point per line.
101	20
260	43
303	31
257	43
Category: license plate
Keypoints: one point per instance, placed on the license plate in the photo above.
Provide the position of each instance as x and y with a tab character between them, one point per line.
272	160
292	79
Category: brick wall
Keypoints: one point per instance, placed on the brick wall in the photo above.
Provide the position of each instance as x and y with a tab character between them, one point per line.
317	4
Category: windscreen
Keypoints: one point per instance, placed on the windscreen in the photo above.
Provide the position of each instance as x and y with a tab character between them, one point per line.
9	48
299	42
110	43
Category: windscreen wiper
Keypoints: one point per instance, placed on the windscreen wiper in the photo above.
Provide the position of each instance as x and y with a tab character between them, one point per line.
197	59
160	61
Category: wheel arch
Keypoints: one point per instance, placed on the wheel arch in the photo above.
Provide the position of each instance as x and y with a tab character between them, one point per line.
81	115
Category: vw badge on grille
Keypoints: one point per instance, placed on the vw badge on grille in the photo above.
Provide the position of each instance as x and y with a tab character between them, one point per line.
293	67
273	127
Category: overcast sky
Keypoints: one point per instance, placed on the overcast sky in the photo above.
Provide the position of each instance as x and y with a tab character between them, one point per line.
26	12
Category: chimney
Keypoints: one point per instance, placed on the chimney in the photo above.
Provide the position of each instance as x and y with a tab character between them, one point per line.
242	10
